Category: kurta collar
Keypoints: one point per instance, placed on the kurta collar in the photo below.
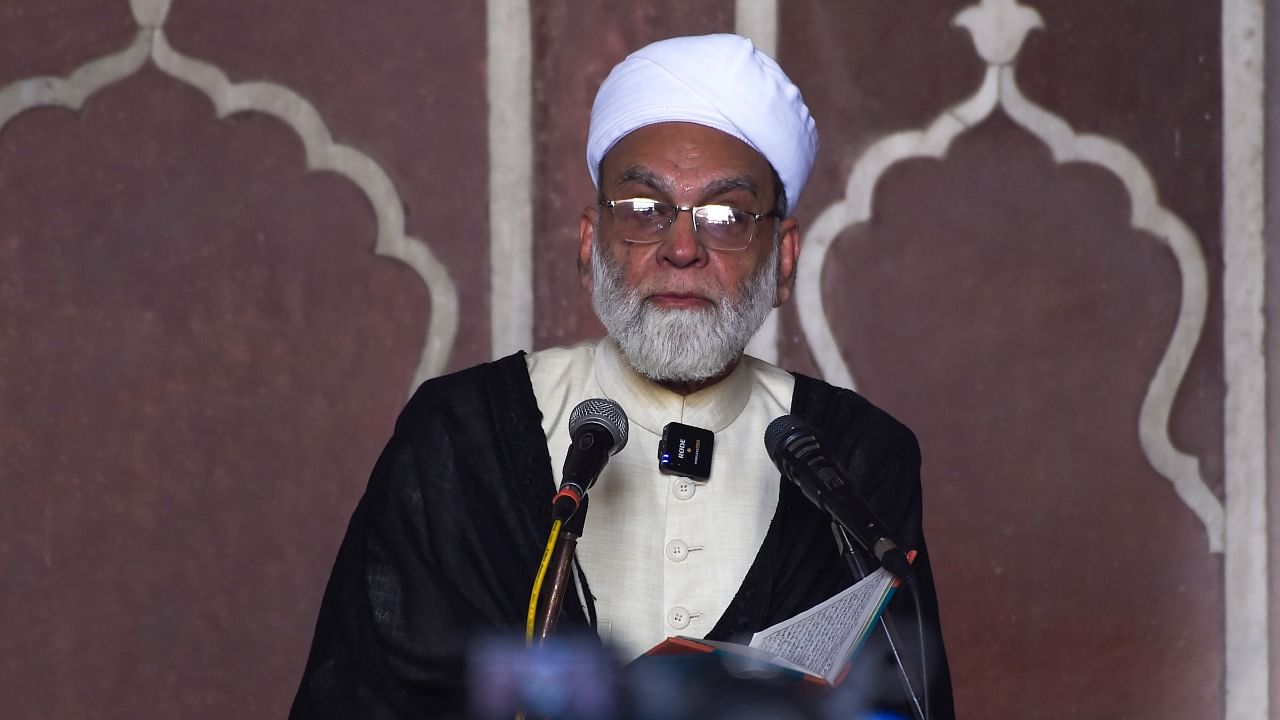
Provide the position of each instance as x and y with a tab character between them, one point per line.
652	406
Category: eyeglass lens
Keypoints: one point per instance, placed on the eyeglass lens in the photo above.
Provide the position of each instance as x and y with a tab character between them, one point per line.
719	226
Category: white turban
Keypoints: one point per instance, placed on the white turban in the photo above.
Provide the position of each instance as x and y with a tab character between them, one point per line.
720	81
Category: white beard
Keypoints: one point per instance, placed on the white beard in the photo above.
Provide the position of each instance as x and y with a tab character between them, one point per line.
681	345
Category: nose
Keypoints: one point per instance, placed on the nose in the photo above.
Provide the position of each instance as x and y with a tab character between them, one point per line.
680	247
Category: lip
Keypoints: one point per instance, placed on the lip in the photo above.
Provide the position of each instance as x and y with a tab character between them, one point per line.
678	300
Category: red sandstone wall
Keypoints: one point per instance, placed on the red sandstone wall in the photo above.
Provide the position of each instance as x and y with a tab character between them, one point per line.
201	355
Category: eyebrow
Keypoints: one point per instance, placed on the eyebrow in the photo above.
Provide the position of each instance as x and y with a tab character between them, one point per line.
643	176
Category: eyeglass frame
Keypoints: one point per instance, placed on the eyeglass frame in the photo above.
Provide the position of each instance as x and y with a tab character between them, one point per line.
693	216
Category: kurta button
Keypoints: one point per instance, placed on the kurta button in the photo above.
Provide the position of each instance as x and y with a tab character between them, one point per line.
683	488
678	618
677	551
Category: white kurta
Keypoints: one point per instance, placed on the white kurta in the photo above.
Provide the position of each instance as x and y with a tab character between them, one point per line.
664	555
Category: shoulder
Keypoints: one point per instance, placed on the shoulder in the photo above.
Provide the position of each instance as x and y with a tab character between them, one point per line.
558	361
849	419
879	453
560	372
771	387
465	396
480	426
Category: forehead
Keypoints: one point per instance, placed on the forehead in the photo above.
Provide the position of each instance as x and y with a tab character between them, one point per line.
686	157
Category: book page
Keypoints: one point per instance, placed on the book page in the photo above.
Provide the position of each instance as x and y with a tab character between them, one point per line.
821	639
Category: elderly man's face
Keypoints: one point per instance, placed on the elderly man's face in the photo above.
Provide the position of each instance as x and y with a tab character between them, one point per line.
679	288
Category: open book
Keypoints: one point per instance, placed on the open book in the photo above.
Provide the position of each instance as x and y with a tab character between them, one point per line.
820	642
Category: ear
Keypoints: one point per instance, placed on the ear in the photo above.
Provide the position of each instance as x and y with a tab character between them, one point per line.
788	257
586	237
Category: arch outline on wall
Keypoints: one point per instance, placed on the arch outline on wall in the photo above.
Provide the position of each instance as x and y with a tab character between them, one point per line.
278	101
998	28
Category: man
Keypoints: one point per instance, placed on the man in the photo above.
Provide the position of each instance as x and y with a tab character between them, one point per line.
699	148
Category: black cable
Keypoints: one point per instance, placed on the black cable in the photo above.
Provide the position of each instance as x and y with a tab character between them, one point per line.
924	661
858	569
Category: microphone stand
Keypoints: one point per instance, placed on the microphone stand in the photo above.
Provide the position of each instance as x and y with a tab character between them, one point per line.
859	571
561	567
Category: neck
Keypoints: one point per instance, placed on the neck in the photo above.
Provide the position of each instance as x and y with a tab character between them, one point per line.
681	387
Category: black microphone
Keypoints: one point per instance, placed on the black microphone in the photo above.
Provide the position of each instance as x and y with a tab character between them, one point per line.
597	429
793	446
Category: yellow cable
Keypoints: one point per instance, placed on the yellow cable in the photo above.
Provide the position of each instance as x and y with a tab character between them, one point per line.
537	582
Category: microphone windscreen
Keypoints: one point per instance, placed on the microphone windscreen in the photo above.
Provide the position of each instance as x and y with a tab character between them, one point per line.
605	413
780	431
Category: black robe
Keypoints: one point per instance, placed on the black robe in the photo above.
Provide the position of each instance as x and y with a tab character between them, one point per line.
446	540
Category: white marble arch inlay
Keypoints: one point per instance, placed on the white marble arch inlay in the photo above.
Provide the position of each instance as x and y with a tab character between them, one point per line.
293	110
998	28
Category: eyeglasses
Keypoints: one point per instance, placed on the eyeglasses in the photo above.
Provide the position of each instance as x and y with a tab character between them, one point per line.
717	227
